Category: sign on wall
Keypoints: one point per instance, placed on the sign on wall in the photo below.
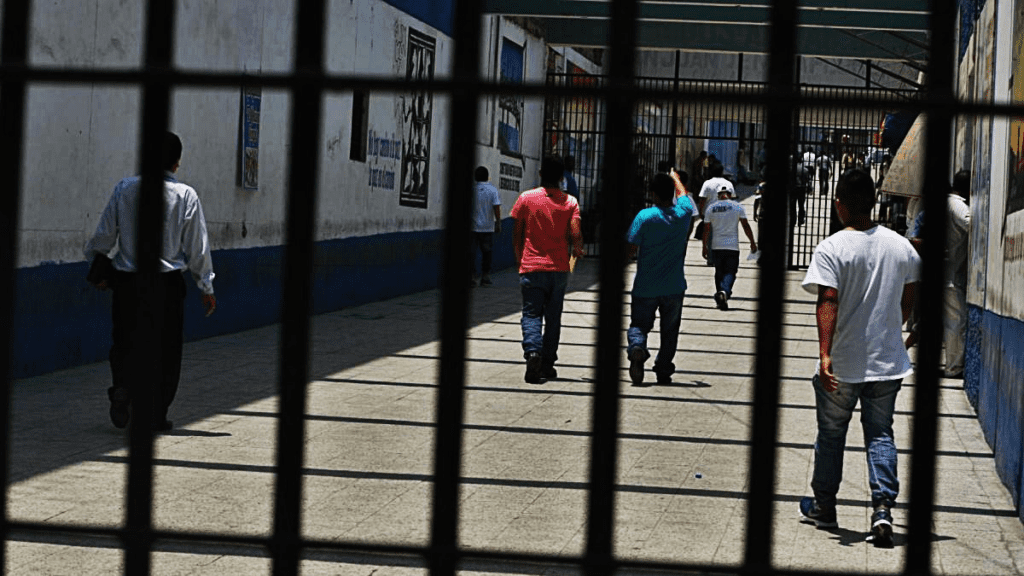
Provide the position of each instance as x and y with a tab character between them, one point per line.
251	138
1015	190
417	109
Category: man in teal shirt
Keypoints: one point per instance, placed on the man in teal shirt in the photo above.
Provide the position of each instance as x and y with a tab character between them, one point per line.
658	238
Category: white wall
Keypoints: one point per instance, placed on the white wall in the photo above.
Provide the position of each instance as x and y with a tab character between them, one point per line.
81	139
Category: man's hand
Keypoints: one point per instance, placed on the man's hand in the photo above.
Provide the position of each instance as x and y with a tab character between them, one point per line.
827	378
753	247
497	226
209	303
704	252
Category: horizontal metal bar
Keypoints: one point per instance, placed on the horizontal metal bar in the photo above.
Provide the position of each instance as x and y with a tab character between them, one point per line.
723	14
739	38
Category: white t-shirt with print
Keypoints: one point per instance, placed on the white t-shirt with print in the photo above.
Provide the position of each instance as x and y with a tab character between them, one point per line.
869	270
724	217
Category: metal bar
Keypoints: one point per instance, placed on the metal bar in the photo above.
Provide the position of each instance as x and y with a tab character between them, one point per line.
765	418
598	555
303	175
13	53
444	550
941	68
138	537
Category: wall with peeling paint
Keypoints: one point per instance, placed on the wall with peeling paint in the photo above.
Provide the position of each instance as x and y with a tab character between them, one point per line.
380	218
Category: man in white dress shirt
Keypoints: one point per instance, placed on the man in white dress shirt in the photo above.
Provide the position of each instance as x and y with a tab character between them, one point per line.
135	304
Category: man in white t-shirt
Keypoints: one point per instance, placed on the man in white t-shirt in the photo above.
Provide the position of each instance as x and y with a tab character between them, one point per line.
866	279
486	222
722	242
709	191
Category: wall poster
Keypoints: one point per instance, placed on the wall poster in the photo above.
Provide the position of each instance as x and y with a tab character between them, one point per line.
417	110
251	138
1015	189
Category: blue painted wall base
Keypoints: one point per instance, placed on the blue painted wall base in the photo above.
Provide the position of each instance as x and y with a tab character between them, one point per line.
61	321
999	349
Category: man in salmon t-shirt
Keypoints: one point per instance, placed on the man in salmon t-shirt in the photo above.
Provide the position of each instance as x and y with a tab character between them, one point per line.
547	223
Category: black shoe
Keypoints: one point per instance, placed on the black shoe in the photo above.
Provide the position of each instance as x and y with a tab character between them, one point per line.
811	513
549	373
485	280
636	366
663	378
534	374
164	426
722	300
881	527
120	407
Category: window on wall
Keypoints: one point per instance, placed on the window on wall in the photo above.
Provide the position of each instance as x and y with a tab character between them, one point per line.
510	107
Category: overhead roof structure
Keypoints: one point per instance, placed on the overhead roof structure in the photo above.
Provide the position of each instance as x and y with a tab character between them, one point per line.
888	30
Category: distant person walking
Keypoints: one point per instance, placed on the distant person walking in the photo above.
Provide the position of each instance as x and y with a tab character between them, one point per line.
547	229
658	238
958	228
185	246
722	243
866	279
486	223
709	191
571	187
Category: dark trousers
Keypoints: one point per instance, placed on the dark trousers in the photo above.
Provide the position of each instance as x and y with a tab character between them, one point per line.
148	322
485	240
727	263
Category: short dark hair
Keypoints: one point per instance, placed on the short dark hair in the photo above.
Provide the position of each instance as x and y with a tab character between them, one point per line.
856	190
664	166
716	170
551	171
570	162
663	186
962	183
481	174
172	150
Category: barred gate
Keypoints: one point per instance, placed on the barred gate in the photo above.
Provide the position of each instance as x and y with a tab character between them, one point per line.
611	106
719	122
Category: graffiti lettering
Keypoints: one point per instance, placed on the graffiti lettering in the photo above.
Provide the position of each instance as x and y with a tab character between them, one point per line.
382	178
1013	248
508	184
511	170
383	147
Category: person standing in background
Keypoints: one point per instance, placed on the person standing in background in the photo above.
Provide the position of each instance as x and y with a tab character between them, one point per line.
486	223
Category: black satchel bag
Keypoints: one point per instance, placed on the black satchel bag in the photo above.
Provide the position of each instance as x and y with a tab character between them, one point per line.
102	270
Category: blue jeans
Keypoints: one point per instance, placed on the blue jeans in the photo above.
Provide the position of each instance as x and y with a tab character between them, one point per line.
877	403
641	322
543	295
727	262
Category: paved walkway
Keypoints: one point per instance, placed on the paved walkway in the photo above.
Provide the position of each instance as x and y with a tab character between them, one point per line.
683	457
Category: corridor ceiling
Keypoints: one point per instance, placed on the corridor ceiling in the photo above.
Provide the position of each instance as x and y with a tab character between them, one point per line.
893	30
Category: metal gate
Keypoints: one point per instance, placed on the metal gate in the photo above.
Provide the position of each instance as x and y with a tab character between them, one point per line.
825	142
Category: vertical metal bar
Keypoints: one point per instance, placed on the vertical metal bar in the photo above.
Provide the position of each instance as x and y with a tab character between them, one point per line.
303	175
764	425
598	556
13	53
674	131
443	556
149	233
941	100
